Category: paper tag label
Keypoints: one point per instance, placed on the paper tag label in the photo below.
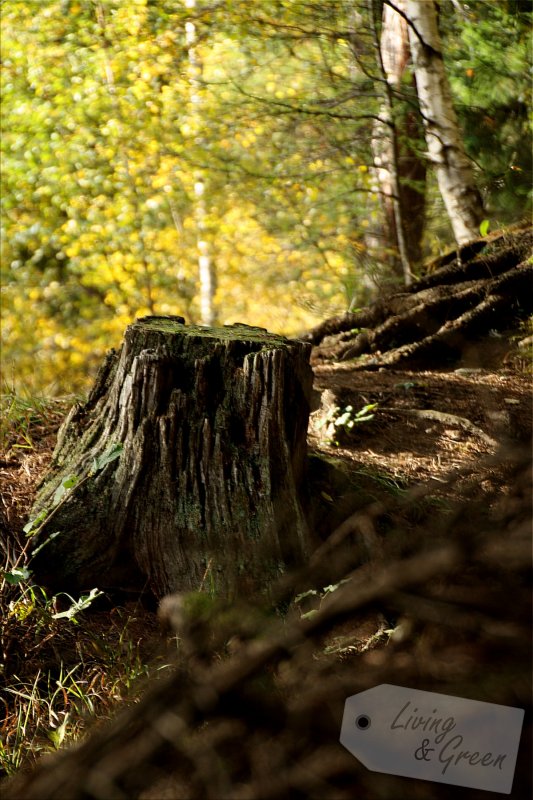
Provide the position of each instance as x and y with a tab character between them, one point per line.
433	737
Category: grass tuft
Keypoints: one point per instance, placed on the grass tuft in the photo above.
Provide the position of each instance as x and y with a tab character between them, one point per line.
25	417
62	665
61	673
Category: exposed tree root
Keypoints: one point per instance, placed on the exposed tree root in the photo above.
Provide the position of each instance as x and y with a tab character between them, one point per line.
438	316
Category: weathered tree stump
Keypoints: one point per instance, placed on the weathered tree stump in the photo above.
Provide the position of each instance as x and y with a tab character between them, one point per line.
189	462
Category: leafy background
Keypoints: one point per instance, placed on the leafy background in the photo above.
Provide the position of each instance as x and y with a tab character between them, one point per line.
107	127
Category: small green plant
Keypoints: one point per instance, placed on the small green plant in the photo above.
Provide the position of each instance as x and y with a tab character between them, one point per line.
46	708
49	710
37	710
317	595
348	418
19	734
345	419
82	604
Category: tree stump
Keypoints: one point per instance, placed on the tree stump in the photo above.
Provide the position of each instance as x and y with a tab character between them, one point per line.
185	468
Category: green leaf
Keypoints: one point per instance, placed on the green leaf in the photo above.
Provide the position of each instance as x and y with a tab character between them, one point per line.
484	227
17	575
367	408
34	523
111	454
334	586
78	605
66	484
366	418
343	419
303	595
56	736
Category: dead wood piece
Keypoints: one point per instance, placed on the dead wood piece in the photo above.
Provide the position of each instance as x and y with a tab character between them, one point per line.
498	255
367	317
421	316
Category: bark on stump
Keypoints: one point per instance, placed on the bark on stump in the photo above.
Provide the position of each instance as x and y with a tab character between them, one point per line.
207	489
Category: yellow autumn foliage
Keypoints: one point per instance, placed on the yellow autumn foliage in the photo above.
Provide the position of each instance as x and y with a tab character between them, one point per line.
110	127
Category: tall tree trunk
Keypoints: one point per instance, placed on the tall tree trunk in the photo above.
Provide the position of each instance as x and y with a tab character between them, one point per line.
443	136
411	168
386	158
412	172
185	468
206	268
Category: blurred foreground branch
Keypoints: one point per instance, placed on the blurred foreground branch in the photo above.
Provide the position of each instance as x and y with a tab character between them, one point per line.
264	722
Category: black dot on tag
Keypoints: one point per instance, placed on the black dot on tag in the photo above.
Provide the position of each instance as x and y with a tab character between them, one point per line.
363	722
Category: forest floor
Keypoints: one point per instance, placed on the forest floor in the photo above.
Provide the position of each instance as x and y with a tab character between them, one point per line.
424	423
447	432
410	428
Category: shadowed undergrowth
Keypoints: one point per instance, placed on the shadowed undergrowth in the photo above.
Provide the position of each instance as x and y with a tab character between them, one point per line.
409	589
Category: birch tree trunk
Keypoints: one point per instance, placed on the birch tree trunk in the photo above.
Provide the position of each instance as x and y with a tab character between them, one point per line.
404	160
206	269
443	136
386	156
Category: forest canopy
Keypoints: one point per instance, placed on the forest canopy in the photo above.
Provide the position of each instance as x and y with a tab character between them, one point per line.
219	161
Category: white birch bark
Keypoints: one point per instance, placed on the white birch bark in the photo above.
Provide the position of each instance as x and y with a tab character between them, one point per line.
443	136
206	270
392	60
